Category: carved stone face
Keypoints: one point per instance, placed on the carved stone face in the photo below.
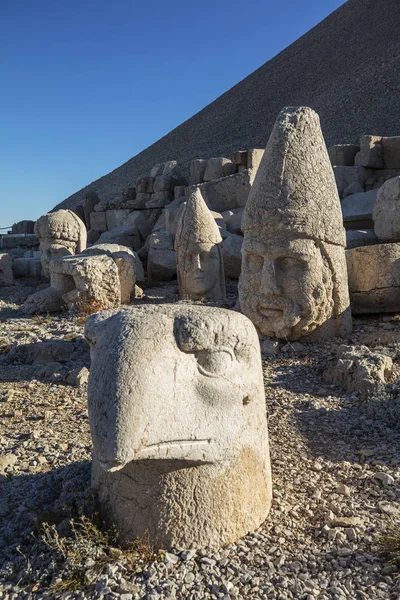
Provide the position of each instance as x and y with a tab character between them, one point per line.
287	290
174	383
201	269
52	248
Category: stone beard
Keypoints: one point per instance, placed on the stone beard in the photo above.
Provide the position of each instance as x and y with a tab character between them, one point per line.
289	287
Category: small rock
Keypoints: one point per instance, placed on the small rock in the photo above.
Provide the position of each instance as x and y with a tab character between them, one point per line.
384	478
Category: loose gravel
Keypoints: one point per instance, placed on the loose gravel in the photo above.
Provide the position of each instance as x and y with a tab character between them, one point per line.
336	479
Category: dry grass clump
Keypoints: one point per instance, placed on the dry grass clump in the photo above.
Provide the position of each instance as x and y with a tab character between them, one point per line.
86	307
389	541
85	552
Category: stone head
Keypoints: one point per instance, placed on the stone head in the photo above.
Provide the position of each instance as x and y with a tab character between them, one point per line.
293	281
289	285
60	233
198	252
174	382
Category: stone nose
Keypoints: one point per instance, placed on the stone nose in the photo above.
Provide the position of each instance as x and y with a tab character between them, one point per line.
269	284
197	262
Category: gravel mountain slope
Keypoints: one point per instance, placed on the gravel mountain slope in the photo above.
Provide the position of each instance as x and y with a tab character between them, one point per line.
346	68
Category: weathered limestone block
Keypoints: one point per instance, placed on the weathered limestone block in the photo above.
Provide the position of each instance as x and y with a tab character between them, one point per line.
374	278
84	278
219	167
144	185
360	237
179	191
127	263
141	199
60	233
293	281
345	176
254	158
116	218
159	199
226	193
27	267
371	152
161	259
18	241
167	183
357	369
93	236
101	206
357	210
98	221
197	170
386	211
172	214
353	188
138	220
90	201
232	255
391	152
234	223
239	158
48	300
124	236
23	227
177	416
343	154
6	272
198	250
168	168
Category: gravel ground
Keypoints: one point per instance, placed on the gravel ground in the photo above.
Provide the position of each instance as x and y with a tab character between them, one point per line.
345	68
336	478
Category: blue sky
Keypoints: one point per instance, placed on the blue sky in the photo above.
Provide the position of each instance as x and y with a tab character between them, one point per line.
87	84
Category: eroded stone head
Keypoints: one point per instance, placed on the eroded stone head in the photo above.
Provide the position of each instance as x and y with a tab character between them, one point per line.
174	382
198	252
294	279
60	233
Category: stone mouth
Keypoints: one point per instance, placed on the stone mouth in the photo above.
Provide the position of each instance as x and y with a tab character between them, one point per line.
174	449
271	311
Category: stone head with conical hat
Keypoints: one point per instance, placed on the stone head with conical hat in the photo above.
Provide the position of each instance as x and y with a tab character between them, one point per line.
198	252
294	278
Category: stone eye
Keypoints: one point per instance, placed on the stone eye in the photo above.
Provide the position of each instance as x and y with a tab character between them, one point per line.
213	363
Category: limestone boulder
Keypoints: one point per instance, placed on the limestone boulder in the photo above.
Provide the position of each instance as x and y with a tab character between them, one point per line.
172	214
234	223
177	416
128	263
360	237
144	185
343	154
374	278
98	221
29	267
219	167
226	193
116	218
161	259
48	300
138	220
6	271
197	169
386	211
232	255
371	152
86	279
358	369
391	152
127	235
345	176
357	210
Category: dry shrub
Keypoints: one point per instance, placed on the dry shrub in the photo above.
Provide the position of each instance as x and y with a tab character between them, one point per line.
389	541
88	548
86	307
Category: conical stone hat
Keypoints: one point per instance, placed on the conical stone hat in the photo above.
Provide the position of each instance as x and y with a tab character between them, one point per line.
196	224
294	191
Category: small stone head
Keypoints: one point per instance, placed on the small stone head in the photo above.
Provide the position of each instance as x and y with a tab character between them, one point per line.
174	382
60	233
198	252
